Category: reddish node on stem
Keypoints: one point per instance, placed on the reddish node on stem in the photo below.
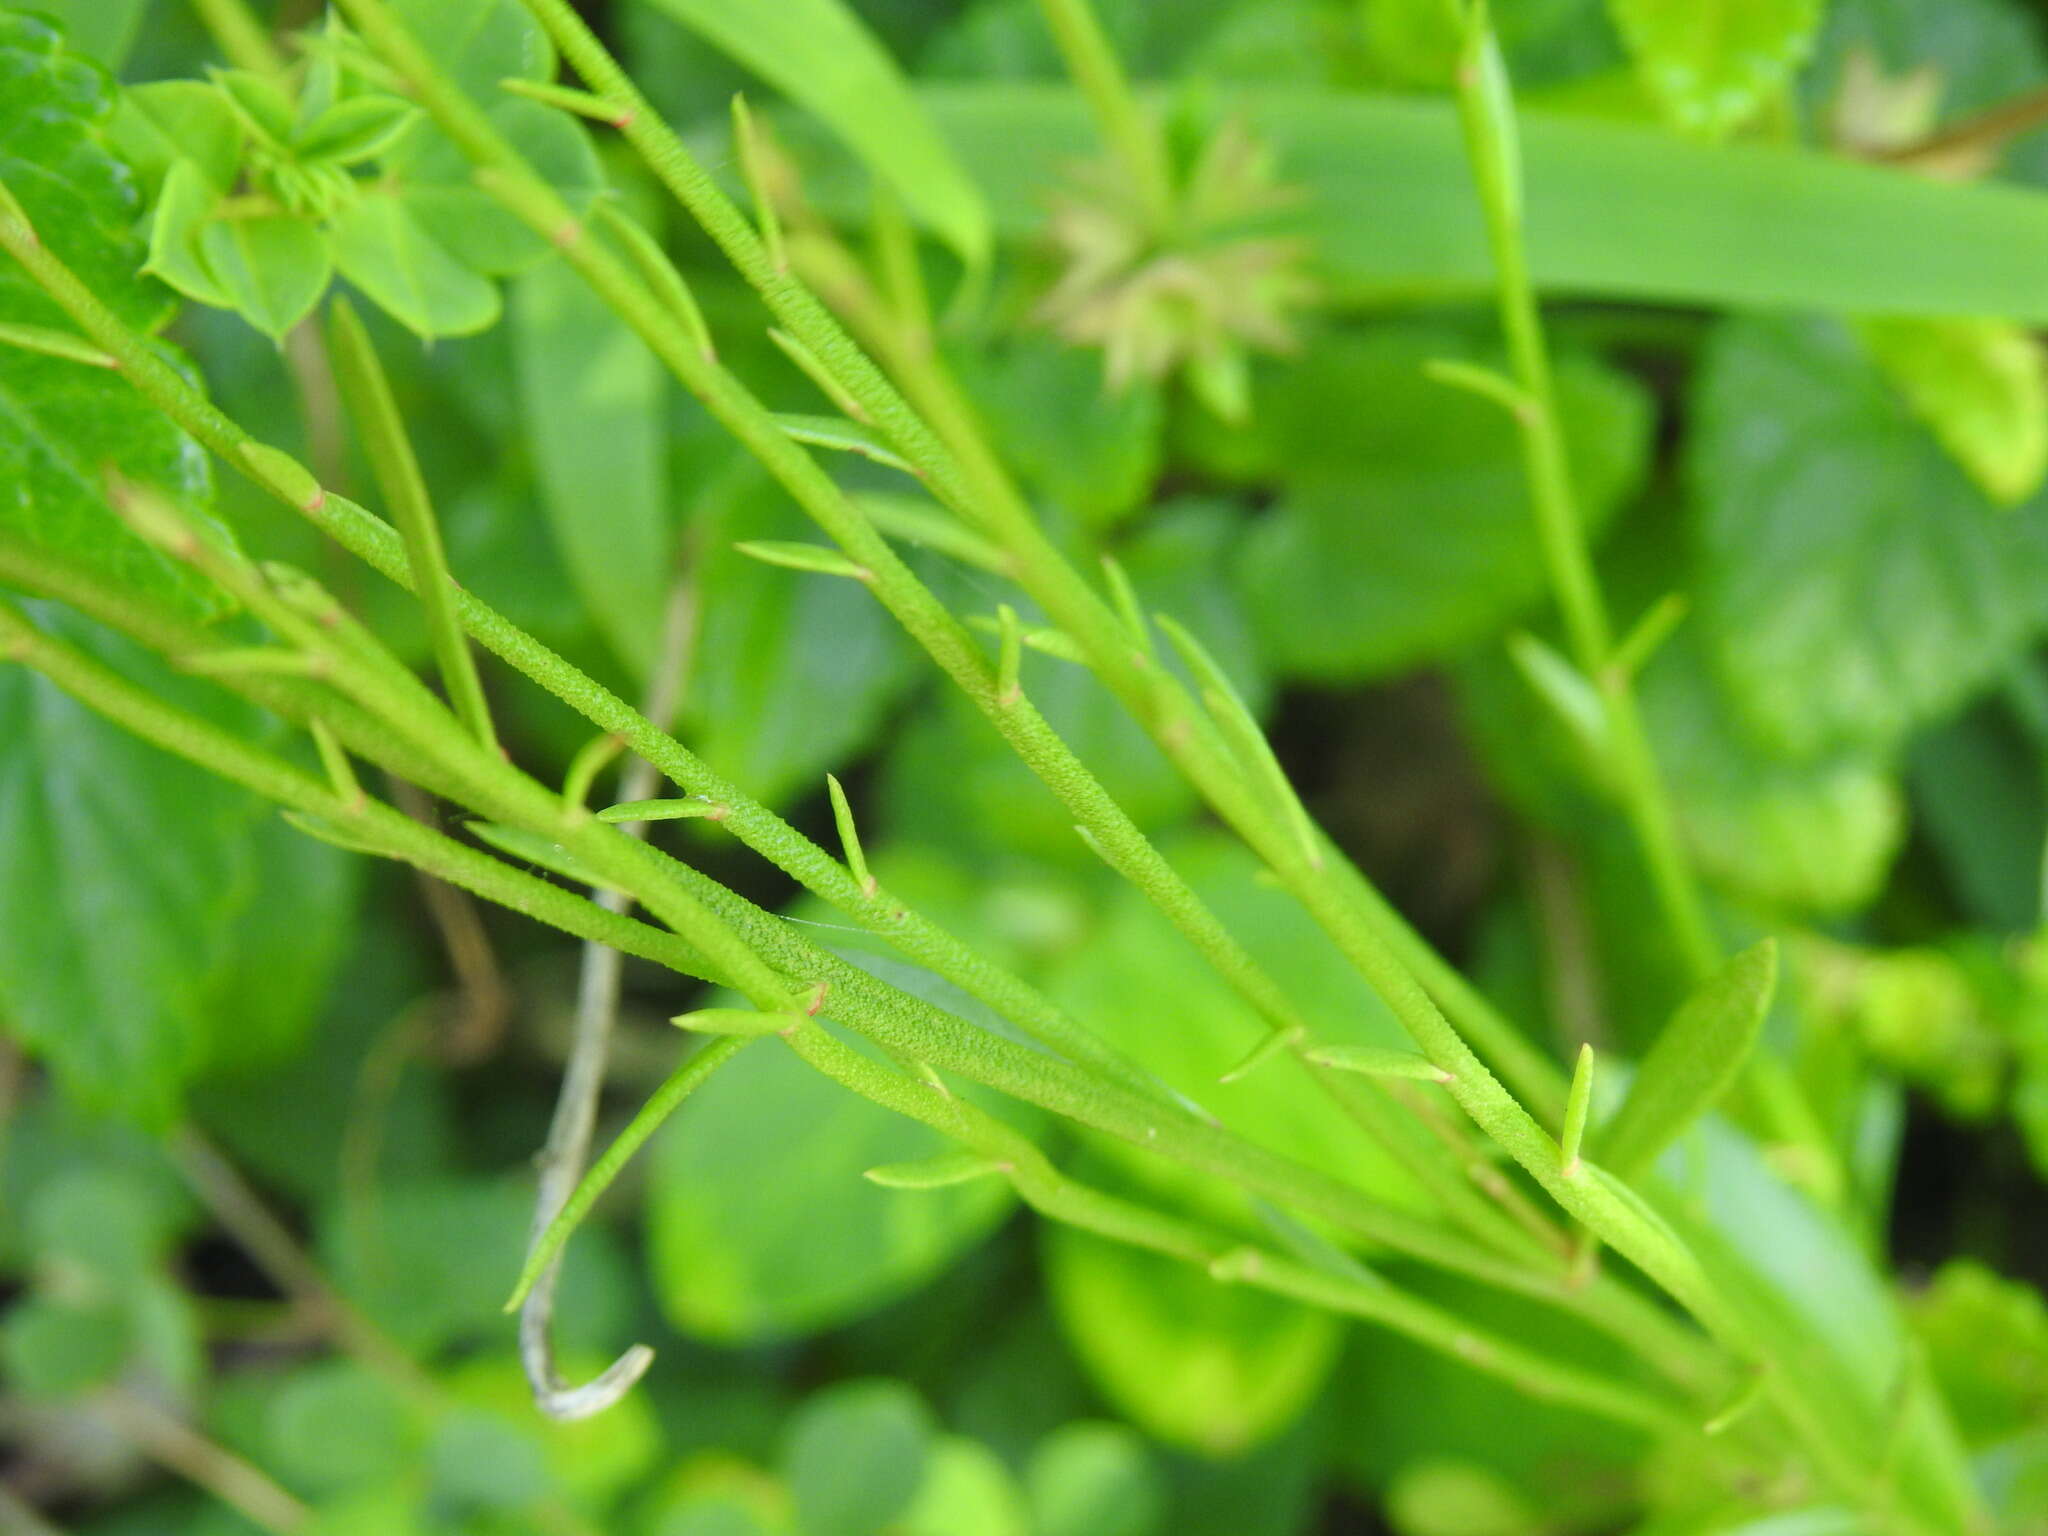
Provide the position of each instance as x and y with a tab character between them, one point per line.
818	998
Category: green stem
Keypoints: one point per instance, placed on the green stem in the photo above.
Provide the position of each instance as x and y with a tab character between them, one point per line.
982	495
368	393
1060	1198
1567	555
373	541
391	831
238	33
1132	135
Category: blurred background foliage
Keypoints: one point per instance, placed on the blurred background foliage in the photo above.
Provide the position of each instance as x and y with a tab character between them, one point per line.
270	1112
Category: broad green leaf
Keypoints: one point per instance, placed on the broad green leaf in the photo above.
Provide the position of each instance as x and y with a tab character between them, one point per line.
1711	64
594	401
1816	834
1095	1479
966	1488
353	130
62	423
794	670
285	954
336	1426
101	30
1394	1403
52	1348
854	1456
125	871
1982	386
1980	802
1697	1056
381	246
480	42
165	121
273	270
1802	1284
1062	431
820	55
434	1259
760	1225
1213	1367
1408	531
177	228
1987	1345
1854	583
1613	209
433	179
593	1461
1442	1496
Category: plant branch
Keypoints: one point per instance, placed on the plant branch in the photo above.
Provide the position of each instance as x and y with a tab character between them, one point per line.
597	998
174	1444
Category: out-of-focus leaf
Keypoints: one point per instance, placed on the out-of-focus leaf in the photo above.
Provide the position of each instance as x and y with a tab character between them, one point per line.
62	422
1980	801
1978	53
273	270
966	1488
1614	209
593	1461
594	397
353	130
1094	1479
165	121
125	871
1712	63
1982	386
1444	1497
1057	426
433	179
1854	582
480	42
1987	1345
1213	1367
820	55
381	246
759	1222
101	30
335	1427
1404	529
854	1456
1697	1055
794	670
52	1348
1394	1403
432	1258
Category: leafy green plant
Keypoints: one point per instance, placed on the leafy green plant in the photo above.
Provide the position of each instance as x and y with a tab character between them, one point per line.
1094	938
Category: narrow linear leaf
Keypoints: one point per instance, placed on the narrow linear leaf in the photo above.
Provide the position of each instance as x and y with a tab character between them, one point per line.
536	850
842	436
939	1172
743	1023
661	810
1378	1061
798	556
1577	1105
820	55
1693	1061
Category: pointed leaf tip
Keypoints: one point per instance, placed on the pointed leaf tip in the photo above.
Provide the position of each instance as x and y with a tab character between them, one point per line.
1694	1060
939	1172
